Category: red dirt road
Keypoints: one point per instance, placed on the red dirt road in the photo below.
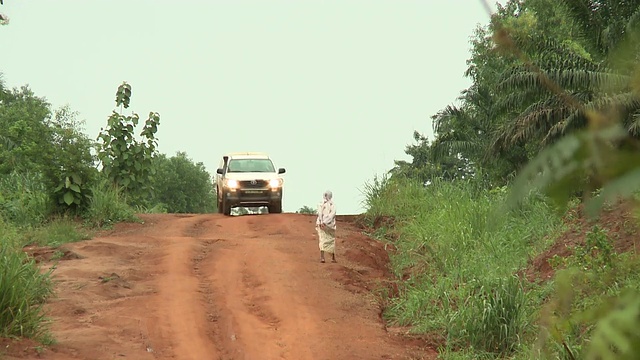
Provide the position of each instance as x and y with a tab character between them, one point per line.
214	287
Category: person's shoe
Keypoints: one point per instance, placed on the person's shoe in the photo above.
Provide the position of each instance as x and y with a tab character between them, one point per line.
322	260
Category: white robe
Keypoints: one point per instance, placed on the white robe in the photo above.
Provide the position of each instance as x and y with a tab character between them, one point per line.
327	236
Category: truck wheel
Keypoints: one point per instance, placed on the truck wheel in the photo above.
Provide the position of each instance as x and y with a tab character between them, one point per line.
275	208
226	207
219	201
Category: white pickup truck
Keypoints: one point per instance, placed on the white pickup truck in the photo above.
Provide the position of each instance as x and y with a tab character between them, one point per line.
248	179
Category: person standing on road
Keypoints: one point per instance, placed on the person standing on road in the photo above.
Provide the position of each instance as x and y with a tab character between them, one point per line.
326	226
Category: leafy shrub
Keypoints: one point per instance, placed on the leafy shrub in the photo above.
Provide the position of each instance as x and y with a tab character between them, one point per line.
184	186
307	210
126	161
49	143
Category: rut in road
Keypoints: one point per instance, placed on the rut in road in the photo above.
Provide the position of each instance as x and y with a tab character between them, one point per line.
215	287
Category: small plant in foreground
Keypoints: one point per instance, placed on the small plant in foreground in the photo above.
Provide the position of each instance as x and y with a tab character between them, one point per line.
598	252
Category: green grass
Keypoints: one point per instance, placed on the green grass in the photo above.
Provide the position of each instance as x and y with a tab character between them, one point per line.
56	232
460	251
24	199
107	206
23	290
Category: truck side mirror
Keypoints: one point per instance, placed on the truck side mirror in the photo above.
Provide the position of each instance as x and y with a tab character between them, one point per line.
220	171
281	171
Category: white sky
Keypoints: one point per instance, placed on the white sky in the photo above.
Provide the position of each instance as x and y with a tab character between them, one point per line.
332	90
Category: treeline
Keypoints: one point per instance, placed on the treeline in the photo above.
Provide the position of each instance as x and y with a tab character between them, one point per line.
50	166
541	69
57	184
548	128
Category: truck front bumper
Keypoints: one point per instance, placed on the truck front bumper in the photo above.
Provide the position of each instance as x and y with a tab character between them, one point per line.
253	197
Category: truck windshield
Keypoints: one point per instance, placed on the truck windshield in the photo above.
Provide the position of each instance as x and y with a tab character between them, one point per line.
250	165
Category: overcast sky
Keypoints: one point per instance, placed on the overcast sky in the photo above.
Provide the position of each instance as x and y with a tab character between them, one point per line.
332	90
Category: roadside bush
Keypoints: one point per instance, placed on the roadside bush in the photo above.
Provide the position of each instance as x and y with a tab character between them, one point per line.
49	143
307	210
184	186
73	169
126	160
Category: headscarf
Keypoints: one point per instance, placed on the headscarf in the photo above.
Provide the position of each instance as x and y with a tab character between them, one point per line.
327	214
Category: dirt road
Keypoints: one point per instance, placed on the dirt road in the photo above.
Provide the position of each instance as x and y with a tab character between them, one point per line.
214	287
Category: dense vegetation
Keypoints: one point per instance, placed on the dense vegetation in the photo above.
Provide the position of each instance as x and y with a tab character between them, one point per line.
547	133
549	127
57	185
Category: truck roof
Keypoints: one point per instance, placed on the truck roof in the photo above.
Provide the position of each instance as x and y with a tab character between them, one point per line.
249	154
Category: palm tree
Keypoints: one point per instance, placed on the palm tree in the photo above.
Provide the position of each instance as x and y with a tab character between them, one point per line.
554	93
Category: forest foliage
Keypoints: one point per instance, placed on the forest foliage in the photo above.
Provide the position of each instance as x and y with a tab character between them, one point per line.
550	122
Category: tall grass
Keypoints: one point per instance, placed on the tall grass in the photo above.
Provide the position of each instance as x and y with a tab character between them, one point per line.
458	251
24	199
23	290
108	205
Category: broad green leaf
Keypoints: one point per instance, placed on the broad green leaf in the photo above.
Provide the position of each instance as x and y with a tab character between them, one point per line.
75	188
68	198
76	178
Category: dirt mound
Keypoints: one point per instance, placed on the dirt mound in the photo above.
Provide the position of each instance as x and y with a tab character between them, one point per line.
46	253
20	348
618	221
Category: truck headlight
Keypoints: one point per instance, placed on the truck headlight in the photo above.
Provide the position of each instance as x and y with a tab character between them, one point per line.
232	183
275	183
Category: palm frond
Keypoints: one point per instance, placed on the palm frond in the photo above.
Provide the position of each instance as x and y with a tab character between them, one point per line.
549	53
634	125
445	148
572	79
444	117
7	143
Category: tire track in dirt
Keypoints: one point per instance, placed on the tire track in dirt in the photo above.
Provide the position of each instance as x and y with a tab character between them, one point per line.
179	293
179	327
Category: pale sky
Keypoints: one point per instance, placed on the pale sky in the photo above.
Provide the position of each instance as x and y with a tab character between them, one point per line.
332	90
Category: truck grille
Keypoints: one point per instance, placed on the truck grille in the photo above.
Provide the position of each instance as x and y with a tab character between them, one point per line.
259	184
